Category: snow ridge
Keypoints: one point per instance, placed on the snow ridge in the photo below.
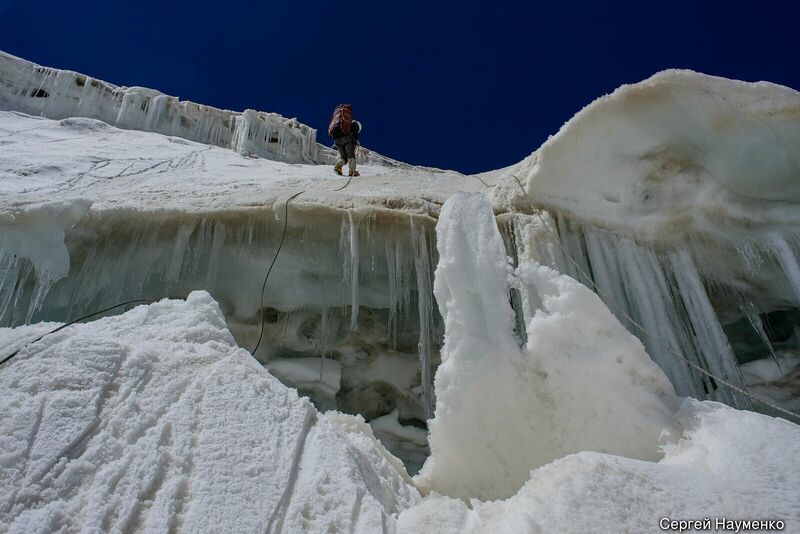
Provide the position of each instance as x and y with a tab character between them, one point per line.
154	420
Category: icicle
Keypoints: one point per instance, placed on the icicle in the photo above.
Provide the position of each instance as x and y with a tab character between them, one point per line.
393	283
354	264
508	234
573	243
425	304
215	254
324	341
778	245
178	252
751	314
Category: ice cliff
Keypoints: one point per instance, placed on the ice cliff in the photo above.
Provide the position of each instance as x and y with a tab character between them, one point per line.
463	321
154	420
59	94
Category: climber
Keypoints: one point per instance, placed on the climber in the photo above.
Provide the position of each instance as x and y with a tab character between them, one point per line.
345	132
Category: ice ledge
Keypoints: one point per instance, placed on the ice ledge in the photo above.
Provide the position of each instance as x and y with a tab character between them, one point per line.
58	94
676	154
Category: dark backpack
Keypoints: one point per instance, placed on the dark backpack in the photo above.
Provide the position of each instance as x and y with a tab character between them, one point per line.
341	121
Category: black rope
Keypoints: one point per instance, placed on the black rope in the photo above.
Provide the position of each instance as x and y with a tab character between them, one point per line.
271	265
275	258
79	319
345	185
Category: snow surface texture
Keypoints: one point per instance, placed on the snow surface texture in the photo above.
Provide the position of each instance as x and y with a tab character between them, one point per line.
120	170
154	420
724	465
581	383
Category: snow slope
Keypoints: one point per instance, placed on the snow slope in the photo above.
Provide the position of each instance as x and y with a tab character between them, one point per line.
43	160
154	420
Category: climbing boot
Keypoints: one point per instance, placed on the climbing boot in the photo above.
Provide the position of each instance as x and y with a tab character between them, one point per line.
354	173
337	169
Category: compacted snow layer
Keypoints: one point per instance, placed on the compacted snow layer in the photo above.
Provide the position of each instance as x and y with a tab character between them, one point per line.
43	160
154	420
582	382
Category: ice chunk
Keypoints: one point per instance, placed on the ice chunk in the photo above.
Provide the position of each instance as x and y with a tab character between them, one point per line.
582	382
407	442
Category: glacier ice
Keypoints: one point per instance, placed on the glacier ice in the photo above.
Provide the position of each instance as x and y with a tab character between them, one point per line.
662	292
674	198
58	94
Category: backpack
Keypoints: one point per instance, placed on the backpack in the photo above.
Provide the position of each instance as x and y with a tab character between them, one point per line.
341	120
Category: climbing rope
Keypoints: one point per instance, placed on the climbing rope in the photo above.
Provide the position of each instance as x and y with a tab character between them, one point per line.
609	301
271	265
277	252
79	319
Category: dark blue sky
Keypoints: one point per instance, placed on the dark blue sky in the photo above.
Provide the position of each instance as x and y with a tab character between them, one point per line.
466	85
